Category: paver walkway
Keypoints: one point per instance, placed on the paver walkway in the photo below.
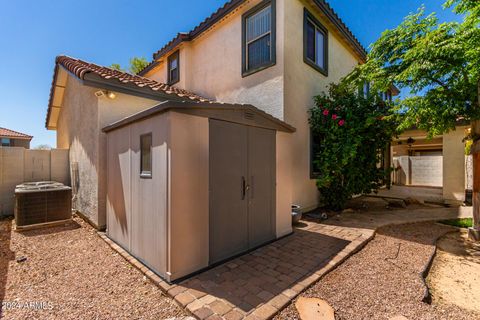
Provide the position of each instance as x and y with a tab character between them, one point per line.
259	284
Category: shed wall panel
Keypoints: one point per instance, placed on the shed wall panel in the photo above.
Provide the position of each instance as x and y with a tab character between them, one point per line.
149	195
119	187
189	212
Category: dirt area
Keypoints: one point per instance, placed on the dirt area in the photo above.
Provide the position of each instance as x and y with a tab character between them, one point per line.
71	273
383	280
455	273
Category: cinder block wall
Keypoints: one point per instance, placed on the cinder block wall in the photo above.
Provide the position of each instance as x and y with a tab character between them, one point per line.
19	165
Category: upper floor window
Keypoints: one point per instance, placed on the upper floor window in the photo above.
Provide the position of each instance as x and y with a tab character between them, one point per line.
5	142
146	155
174	68
315	43
258	37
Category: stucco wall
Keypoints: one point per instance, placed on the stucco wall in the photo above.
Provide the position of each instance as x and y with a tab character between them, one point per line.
79	129
211	65
454	165
302	83
283	184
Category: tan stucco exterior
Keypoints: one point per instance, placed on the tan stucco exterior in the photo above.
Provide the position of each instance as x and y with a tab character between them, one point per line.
450	147
79	129
454	165
302	83
210	65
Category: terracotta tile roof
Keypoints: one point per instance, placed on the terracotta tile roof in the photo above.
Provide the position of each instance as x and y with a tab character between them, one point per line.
230	6
128	82
4	132
80	68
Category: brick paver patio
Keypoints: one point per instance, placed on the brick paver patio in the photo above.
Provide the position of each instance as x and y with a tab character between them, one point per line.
259	284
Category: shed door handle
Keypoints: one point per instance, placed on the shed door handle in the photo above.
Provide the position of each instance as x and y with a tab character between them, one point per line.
243	188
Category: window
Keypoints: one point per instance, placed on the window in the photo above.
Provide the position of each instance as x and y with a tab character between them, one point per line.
315	43
146	155
315	144
258	38
174	68
6	142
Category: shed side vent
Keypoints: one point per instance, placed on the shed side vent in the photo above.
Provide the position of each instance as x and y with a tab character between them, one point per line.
249	115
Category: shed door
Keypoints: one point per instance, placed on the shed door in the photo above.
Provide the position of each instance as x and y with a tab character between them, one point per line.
242	175
261	182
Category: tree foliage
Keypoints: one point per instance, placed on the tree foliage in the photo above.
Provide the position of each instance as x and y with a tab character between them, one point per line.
350	134
137	64
438	62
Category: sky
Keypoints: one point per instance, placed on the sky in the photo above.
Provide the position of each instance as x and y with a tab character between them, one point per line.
33	33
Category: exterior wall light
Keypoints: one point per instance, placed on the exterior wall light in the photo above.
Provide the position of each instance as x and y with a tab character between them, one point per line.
111	95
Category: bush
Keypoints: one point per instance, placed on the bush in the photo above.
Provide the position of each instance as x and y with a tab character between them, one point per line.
350	134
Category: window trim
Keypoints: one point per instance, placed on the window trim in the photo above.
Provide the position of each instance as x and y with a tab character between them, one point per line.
176	54
308	16
273	35
146	174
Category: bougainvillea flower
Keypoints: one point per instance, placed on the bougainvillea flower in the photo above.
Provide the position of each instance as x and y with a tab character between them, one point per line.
334	116
341	122
325	112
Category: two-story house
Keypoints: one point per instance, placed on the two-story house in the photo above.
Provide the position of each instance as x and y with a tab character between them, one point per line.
274	55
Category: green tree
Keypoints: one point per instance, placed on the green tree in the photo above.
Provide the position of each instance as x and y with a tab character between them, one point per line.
350	134
137	64
439	63
116	66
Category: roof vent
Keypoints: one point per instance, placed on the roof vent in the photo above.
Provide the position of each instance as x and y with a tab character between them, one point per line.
249	115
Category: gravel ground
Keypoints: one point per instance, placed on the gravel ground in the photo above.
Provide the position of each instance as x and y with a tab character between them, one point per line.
383	280
76	275
455	273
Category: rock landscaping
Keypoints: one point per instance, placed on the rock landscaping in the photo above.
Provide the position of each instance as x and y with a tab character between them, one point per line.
69	272
383	280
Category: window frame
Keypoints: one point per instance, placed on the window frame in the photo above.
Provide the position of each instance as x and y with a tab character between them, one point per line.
175	55
273	35
307	16
144	174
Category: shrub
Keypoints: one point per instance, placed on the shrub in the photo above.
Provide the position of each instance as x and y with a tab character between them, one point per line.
350	135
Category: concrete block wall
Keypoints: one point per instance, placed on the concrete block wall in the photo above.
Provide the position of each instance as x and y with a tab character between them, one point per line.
426	171
19	165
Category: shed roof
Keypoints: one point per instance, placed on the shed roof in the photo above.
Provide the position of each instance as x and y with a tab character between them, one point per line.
238	113
8	133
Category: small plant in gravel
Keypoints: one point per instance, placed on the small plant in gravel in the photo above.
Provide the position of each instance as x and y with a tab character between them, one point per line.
350	134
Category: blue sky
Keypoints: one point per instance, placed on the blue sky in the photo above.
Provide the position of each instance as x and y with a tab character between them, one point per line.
32	33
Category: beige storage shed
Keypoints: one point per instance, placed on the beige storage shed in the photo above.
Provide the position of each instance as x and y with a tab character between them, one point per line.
190	185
